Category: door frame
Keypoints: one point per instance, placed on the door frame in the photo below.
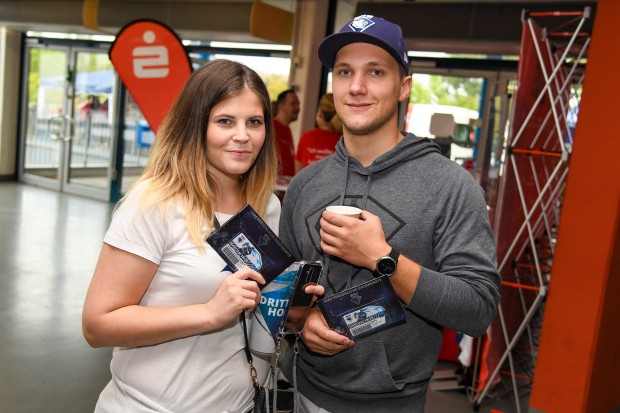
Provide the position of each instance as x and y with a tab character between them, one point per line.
62	183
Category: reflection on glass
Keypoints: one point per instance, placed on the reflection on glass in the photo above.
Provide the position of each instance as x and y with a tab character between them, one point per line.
498	132
92	130
452	95
137	139
46	89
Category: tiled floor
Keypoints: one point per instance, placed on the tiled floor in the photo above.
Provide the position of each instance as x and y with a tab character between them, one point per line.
49	245
48	248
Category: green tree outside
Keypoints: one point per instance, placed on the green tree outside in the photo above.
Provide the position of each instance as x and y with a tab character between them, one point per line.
275	83
447	90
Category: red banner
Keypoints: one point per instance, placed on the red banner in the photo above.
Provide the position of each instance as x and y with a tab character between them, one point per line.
153	65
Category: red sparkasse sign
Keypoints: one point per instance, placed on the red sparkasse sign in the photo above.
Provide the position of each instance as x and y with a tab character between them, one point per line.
153	65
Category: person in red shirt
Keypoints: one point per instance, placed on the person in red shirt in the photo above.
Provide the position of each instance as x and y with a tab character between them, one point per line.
287	111
321	141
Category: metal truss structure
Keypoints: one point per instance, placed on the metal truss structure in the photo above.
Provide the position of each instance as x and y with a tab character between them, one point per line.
537	155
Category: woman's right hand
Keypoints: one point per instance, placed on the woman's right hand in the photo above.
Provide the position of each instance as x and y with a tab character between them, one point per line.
238	292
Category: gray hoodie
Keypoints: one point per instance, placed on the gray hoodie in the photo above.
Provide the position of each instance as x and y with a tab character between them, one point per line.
434	213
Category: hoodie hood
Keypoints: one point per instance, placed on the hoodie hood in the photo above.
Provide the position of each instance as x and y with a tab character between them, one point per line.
410	147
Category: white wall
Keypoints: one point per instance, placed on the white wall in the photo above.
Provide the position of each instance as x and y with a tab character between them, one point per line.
305	76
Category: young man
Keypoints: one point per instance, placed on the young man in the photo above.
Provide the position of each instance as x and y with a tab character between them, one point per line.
424	225
287	112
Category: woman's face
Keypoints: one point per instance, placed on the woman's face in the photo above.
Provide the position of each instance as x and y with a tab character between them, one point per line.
235	135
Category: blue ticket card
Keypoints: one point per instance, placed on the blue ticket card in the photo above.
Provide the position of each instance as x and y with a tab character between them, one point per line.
364	309
245	240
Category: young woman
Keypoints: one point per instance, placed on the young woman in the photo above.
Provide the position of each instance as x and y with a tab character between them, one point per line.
159	294
320	142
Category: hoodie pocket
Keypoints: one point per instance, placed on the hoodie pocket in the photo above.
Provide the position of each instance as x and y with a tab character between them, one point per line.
362	369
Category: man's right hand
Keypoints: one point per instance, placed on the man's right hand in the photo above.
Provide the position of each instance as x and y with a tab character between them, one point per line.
319	338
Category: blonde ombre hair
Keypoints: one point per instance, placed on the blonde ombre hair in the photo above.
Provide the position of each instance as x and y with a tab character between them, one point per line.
176	171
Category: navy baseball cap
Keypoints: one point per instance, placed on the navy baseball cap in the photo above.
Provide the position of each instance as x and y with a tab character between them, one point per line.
366	29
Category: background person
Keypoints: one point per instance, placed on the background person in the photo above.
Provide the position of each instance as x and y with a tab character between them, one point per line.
287	112
88	105
423	224
321	141
159	294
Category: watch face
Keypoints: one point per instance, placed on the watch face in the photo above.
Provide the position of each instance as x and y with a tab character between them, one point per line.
386	266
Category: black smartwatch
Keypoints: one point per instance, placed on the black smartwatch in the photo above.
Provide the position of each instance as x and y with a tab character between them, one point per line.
386	266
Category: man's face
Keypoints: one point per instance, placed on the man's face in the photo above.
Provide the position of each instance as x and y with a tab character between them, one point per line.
367	87
290	107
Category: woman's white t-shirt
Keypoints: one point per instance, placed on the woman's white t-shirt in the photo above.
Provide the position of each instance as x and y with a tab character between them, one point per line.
203	373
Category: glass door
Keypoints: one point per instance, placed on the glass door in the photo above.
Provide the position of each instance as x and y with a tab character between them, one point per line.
67	134
46	122
88	164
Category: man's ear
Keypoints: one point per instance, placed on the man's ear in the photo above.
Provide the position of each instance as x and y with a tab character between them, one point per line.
405	89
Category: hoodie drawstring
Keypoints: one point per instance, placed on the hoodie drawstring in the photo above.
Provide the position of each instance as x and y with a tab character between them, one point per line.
346	180
366	191
327	260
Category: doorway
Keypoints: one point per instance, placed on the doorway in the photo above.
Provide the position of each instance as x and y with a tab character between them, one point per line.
67	134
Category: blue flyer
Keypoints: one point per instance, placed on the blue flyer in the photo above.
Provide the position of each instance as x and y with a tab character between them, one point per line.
270	315
275	299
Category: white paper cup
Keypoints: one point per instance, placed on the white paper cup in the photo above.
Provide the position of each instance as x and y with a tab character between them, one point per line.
349	211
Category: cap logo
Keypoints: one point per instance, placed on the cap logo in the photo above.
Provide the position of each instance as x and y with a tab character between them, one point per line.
361	23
